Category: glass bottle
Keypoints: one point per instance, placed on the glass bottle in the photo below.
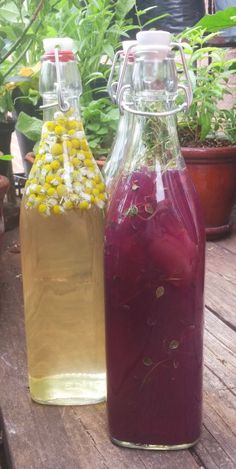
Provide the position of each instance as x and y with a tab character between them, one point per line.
154	272
62	229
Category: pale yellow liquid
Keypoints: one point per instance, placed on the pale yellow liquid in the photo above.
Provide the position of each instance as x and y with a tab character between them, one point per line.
62	262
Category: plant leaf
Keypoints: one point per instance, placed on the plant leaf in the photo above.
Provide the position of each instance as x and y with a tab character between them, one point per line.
10	13
31	127
123	7
218	21
6	157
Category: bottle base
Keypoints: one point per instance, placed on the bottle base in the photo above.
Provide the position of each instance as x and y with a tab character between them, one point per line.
157	447
69	389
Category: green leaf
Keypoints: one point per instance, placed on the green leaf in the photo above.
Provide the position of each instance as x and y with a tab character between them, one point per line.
10	13
31	127
218	21
36	148
93	143
108	49
206	126
102	131
6	157
114	114
152	20
123	7
143	12
94	127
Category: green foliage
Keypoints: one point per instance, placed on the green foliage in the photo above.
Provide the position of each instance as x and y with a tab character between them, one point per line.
6	157
218	21
29	126
228	122
210	70
19	23
97	26
101	121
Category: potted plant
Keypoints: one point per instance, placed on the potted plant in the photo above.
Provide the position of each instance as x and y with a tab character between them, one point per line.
207	131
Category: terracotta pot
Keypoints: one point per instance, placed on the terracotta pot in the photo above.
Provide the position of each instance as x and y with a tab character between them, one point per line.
213	171
4	185
100	163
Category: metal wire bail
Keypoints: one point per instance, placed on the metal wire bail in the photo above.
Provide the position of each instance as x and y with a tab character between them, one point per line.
121	89
112	85
63	105
188	89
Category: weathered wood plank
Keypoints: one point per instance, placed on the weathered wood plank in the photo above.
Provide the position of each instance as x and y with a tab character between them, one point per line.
217	447
224	334
220	289
210	452
220	352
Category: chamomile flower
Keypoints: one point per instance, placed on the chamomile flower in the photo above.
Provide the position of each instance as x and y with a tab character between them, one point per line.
81	156
48	158
64	175
85	196
79	134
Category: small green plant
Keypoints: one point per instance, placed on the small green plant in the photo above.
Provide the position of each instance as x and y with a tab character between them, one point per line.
101	123
19	25
207	121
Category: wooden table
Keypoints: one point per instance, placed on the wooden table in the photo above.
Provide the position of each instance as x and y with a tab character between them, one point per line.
44	437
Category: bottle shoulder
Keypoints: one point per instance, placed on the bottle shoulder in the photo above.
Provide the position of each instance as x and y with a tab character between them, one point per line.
64	175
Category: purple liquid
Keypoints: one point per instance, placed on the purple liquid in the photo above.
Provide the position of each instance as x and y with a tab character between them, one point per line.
154	277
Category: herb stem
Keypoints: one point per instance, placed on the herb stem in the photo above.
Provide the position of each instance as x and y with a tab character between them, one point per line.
19	40
22	54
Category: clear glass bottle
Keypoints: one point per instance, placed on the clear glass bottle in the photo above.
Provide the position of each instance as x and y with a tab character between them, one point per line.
154	272
61	229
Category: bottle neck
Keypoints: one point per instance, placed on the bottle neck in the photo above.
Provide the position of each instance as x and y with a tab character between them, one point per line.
154	139
153	142
50	112
60	84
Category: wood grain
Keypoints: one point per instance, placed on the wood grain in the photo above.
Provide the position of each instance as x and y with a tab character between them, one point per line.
220	289
47	437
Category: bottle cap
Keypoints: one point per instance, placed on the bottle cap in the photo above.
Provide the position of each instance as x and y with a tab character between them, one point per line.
64	43
155	41
127	44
